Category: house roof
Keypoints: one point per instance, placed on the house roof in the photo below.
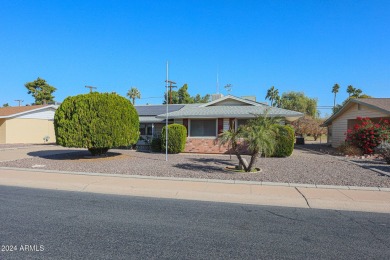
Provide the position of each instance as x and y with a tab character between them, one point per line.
380	104
154	110
243	108
150	120
7	112
232	111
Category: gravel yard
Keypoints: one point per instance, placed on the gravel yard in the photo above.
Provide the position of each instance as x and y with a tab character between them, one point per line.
304	166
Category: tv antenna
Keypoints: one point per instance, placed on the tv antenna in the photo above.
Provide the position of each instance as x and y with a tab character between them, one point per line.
90	88
170	82
19	100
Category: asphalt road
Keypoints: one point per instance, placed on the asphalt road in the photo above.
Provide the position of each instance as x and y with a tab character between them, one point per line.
44	224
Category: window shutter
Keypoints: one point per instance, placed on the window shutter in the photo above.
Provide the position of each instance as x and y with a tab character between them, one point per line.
220	125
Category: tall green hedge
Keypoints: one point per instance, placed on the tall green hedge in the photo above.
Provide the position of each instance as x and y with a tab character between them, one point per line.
177	136
284	141
96	121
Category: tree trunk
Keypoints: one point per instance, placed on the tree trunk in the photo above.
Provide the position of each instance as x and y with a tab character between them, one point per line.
253	161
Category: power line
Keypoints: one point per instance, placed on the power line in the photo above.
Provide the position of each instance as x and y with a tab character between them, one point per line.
19	100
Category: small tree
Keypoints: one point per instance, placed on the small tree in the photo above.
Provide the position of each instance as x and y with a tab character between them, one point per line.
6	105
96	121
40	90
308	125
177	137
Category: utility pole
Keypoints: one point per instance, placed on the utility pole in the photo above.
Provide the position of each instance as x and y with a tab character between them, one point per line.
170	82
90	88
19	100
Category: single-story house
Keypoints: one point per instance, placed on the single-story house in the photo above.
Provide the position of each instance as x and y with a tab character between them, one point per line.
205	121
27	124
338	124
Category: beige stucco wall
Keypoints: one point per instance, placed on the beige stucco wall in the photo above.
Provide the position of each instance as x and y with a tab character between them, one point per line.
2	130
340	124
29	130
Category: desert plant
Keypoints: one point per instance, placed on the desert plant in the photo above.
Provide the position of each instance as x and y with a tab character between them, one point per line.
177	137
96	121
284	141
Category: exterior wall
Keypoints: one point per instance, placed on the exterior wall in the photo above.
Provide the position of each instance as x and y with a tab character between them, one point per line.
29	130
340	124
204	145
3	128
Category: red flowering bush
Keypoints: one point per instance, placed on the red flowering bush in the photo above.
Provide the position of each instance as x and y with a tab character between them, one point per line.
367	135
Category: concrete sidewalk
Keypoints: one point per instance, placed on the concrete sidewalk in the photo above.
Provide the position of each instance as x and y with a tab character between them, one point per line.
338	198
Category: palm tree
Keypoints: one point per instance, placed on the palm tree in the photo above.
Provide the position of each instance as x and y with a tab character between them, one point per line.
259	135
350	90
357	93
278	101
133	93
335	90
272	94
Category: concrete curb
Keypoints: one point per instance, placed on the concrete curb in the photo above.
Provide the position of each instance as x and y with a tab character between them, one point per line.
280	184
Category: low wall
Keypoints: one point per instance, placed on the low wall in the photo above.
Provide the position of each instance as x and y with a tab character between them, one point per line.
206	145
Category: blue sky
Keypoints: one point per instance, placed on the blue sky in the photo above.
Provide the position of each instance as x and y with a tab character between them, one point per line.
113	45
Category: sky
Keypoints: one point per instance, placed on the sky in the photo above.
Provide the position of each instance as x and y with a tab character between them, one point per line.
304	46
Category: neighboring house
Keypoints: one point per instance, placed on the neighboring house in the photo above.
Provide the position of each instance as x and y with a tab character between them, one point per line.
27	124
338	124
205	121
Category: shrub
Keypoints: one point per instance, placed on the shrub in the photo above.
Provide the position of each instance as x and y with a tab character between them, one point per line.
349	149
96	121
284	141
177	136
156	145
367	134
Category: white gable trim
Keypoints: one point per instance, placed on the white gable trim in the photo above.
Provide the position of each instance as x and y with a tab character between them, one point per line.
40	109
245	101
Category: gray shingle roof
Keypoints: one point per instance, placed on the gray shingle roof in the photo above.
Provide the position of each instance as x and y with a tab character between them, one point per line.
154	110
150	119
230	111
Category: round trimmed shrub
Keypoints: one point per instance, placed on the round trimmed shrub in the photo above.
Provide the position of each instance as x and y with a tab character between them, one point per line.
96	121
177	136
284	141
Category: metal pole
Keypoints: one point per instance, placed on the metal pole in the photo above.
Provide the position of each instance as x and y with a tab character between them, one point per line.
166	121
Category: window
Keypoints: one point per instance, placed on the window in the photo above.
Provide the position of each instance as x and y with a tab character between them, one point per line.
204	127
241	122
